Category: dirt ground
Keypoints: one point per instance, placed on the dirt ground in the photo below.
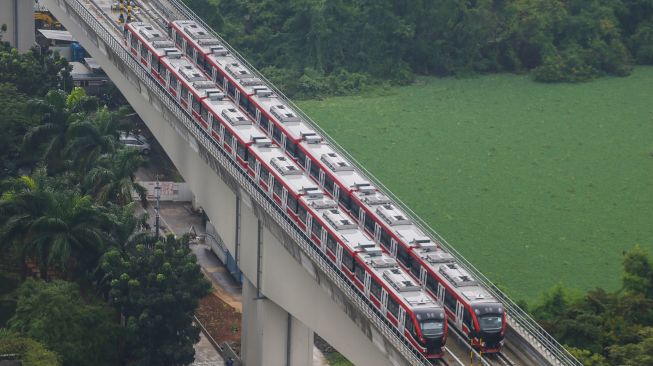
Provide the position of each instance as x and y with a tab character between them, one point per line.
221	320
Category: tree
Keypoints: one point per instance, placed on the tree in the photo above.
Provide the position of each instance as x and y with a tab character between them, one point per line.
32	353
81	331
14	123
114	180
35	72
156	290
57	228
638	273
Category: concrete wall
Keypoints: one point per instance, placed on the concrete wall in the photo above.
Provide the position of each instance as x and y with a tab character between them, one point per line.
18	15
170	191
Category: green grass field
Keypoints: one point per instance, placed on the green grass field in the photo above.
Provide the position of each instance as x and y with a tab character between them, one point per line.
533	183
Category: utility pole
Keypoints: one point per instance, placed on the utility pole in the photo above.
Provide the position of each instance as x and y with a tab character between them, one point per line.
157	195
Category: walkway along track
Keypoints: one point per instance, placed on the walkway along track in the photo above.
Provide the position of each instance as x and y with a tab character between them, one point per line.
107	38
523	330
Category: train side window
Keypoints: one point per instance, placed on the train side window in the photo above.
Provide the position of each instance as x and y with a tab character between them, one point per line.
231	89
315	170
207	67
360	273
276	188
467	319
450	300
348	260
354	209
328	183
291	148
403	256
204	113
302	216
196	105
316	229
251	160
179	39
218	76
163	71
134	41
189	50
415	268
216	125
369	223
301	157
251	108
264	122
375	289
241	151
156	65
331	244
410	326
292	203
393	306
228	137
264	174
385	239
276	133
144	52
432	284
244	102
184	93
173	81
345	199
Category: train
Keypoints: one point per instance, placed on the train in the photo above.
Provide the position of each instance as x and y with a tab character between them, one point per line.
471	309
393	292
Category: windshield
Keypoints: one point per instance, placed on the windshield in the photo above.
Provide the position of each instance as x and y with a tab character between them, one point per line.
432	328
490	322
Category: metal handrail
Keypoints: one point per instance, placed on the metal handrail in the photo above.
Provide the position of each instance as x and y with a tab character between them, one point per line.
352	292
514	312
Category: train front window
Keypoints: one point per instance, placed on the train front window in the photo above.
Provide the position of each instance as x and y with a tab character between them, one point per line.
490	322
432	328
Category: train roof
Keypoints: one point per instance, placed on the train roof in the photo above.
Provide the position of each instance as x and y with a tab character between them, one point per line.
199	36
401	283
284	167
342	169
157	40
429	251
191	76
240	124
280	111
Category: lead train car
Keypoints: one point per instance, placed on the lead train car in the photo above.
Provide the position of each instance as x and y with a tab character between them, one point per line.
388	287
471	308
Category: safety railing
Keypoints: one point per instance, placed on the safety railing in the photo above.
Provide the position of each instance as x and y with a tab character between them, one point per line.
319	258
517	316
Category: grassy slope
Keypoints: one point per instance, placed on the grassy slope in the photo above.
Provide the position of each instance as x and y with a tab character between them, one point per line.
533	183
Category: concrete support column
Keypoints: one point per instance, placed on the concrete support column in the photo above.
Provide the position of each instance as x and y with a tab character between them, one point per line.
270	335
18	16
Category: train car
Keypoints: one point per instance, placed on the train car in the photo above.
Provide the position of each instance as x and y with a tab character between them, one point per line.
407	306
353	191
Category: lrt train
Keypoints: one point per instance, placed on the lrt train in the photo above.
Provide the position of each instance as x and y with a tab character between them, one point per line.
470	307
390	288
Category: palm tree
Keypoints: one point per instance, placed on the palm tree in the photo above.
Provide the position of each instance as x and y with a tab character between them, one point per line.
58	229
113	180
89	138
56	112
127	231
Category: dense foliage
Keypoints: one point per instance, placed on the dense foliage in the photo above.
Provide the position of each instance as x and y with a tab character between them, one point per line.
316	47
605	328
65	203
32	353
55	314
157	291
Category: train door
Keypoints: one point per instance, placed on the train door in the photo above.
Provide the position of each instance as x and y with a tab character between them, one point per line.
309	222
225	85
221	133
367	282
459	314
422	276
440	294
282	143
258	116
339	256
336	192
236	96
321	177
361	218
393	246
257	170
307	164
402	319
384	301
270	183
284	198
377	233
323	239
